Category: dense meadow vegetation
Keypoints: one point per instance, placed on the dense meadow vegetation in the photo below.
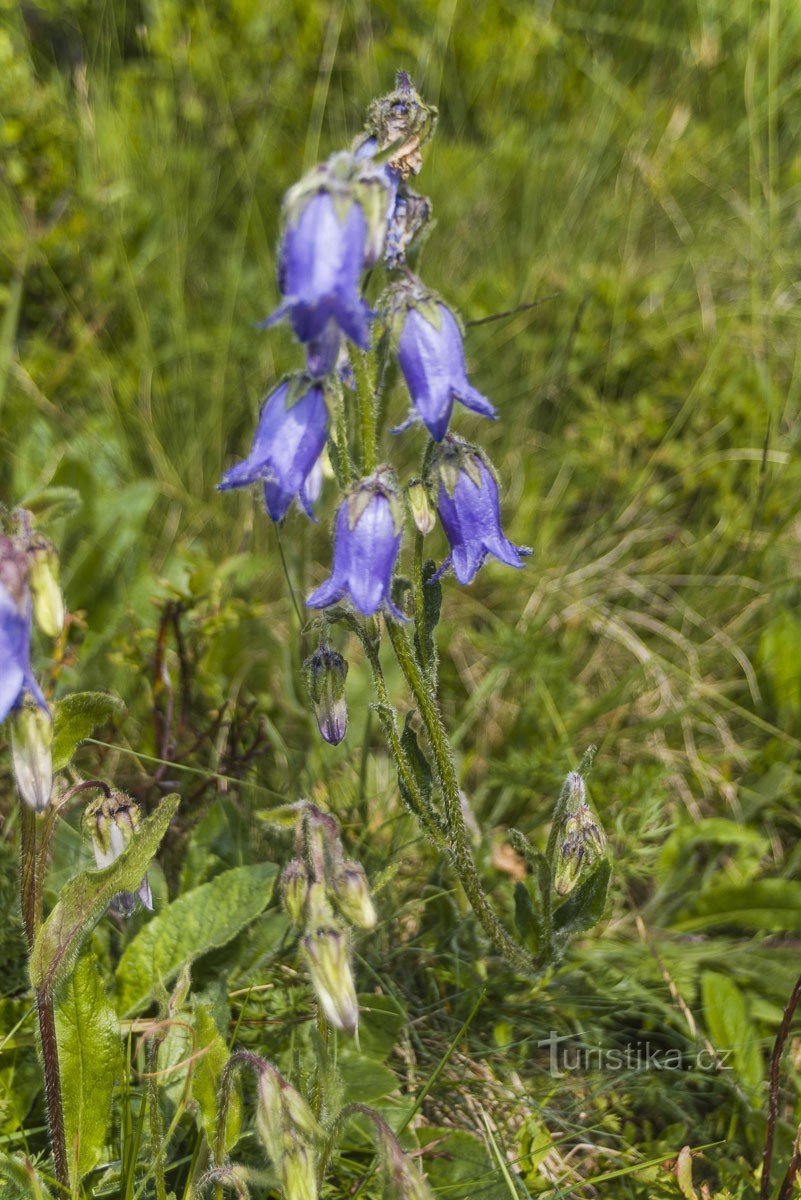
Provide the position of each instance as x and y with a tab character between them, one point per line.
617	195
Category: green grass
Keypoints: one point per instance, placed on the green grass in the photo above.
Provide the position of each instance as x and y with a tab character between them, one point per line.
638	168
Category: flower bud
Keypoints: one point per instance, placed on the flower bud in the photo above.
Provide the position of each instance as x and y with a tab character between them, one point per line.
324	674
48	603
295	890
352	893
31	741
402	1179
327	954
420	506
111	822
288	1129
580	839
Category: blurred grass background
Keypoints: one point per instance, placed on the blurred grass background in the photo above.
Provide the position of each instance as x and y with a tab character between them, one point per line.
638	168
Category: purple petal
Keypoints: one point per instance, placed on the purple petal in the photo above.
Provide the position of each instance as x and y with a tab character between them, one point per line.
373	549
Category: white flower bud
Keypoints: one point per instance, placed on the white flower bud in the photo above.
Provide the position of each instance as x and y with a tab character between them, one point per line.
31	741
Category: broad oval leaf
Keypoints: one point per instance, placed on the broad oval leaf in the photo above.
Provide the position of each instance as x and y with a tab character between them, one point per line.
89	1046
199	921
85	897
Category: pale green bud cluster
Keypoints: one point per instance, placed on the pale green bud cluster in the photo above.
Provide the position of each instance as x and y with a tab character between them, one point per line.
31	742
323	893
421	506
290	1133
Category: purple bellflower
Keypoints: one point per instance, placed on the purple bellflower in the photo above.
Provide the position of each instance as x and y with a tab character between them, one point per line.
16	676
367	537
335	227
286	449
469	509
431	357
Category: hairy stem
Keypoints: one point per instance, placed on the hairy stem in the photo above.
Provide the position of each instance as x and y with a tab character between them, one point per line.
419	605
156	1122
368	430
345	465
31	904
773	1091
460	850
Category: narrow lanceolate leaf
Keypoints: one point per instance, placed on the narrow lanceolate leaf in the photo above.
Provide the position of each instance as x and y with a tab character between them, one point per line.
731	1029
75	718
89	1057
585	907
200	920
85	897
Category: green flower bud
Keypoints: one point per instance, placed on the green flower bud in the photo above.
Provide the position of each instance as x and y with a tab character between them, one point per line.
324	674
581	842
289	1131
420	506
295	890
402	1179
352	893
327	954
31	741
111	822
48	603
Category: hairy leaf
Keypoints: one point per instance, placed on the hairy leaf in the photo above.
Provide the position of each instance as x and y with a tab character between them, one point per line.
89	1057
200	920
85	897
585	907
731	1029
75	718
213	1055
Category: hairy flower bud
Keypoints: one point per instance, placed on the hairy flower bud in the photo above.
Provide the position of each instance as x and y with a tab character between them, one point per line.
402	1179
580	839
401	119
352	893
295	890
327	954
324	674
111	822
288	1129
420	506
31	741
48	602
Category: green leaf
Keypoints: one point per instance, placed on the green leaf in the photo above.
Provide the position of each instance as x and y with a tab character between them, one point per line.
52	503
730	1028
459	1165
20	1180
75	718
585	907
206	1077
432	605
199	921
417	760
88	1036
528	923
770	906
85	897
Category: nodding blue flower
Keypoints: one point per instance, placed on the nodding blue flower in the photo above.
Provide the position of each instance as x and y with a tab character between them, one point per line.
335	227
285	455
469	509
431	357
16	676
367	538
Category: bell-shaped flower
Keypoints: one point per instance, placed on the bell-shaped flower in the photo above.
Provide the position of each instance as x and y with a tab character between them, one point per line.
290	436
16	676
431	357
111	823
469	509
335	227
367	538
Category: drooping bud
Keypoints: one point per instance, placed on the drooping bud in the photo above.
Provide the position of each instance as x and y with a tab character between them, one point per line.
420	506
295	890
580	840
352	893
31	742
324	674
288	1129
111	822
327	954
402	1179
48	602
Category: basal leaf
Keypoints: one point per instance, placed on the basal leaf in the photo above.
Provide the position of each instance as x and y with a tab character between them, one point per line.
199	921
85	897
769	905
89	1057
731	1029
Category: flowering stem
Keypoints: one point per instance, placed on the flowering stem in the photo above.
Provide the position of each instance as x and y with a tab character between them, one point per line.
419	605
461	853
430	820
367	414
345	466
31	906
